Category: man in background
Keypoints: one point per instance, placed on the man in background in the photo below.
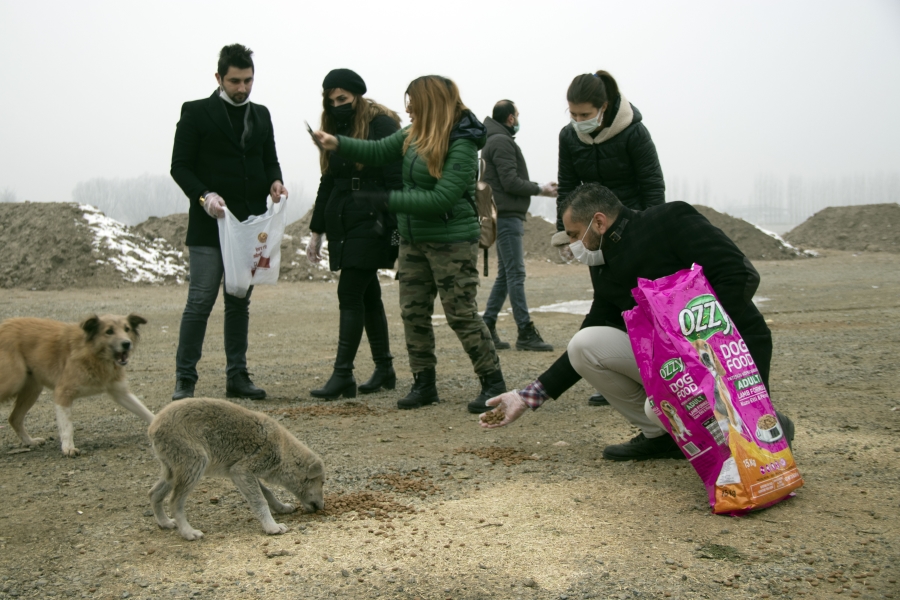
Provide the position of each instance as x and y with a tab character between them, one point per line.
507	174
224	156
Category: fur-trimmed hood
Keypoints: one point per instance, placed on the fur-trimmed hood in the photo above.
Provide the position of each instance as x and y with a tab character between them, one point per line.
625	116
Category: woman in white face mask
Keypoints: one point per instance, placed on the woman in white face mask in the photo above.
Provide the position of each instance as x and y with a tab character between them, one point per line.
605	142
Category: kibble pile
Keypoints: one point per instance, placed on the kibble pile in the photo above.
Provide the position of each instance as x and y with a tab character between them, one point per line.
374	505
347	409
412	483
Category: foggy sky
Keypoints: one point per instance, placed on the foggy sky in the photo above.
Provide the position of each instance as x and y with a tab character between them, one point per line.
728	90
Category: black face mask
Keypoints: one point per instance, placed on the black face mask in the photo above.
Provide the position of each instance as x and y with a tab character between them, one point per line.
342	113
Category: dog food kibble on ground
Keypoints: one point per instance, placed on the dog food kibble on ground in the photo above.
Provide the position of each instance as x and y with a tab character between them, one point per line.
494	417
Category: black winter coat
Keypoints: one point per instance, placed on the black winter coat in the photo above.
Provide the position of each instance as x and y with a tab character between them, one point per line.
358	236
506	172
657	242
621	157
207	157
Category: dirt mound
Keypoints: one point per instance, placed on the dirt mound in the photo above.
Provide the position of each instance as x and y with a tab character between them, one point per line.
868	227
171	228
756	243
536	241
57	245
294	266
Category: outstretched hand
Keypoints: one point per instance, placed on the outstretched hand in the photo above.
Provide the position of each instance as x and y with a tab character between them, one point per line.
550	189
326	140
509	406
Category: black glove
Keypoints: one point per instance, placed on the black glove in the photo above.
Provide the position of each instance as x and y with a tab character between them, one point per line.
378	199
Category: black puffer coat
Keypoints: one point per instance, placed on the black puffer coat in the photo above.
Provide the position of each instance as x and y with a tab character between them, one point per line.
621	157
506	172
358	236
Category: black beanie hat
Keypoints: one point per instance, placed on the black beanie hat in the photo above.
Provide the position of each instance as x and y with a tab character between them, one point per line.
346	80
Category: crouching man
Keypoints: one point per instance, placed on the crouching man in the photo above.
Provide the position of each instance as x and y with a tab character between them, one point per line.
622	245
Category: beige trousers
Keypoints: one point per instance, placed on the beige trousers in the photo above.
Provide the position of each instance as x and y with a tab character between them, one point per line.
604	358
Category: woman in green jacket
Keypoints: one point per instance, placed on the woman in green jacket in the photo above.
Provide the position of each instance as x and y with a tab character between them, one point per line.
438	227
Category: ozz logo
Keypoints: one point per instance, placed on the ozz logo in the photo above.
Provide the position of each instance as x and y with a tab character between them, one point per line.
702	317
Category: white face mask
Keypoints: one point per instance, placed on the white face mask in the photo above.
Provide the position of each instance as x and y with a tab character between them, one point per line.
228	99
592	258
586	127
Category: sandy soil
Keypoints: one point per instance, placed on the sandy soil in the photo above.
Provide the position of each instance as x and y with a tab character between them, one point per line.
447	510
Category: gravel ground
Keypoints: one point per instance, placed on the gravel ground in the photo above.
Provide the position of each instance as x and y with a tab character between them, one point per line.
424	504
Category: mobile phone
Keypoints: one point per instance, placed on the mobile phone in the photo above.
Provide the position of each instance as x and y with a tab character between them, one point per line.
312	135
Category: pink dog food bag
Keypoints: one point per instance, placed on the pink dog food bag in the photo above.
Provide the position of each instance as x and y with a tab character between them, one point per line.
705	388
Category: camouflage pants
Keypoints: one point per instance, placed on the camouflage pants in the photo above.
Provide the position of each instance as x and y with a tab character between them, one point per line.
448	269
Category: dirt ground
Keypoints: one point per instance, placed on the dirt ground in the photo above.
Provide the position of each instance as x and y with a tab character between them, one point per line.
447	510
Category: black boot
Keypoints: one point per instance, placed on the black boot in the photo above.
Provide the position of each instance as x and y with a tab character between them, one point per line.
498	343
423	391
787	426
240	386
642	448
492	385
377	332
342	382
598	399
184	388
530	339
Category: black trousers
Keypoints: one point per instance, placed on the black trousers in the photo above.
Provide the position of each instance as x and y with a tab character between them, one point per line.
359	290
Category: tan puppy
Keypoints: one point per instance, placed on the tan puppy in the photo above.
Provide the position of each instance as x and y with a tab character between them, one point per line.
679	431
73	360
202	436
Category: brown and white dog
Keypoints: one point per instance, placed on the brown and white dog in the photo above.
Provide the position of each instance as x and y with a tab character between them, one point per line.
723	407
709	358
679	431
73	360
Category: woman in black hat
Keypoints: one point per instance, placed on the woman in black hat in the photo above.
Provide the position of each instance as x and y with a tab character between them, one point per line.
359	238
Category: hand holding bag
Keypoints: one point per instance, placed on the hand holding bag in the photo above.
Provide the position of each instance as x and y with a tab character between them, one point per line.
251	250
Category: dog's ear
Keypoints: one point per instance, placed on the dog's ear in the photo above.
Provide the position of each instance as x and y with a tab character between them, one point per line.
91	326
135	321
315	470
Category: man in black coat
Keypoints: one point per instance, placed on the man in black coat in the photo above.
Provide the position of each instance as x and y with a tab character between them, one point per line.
224	156
649	244
507	174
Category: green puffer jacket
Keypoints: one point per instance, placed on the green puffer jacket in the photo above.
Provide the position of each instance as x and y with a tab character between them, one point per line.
429	209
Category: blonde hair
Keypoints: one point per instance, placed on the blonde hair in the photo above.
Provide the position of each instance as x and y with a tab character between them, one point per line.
434	103
366	110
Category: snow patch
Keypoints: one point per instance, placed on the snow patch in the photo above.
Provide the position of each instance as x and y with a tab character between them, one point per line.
572	307
138	259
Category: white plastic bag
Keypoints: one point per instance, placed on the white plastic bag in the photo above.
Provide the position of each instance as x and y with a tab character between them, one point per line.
251	250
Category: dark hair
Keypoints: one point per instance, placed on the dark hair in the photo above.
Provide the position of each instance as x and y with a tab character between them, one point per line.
237	56
502	110
595	88
588	199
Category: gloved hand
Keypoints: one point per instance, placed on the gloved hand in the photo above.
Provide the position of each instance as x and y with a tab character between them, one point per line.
560	241
550	189
509	404
214	205
378	199
314	248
